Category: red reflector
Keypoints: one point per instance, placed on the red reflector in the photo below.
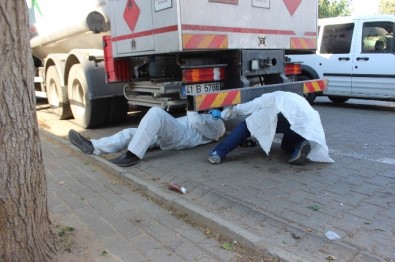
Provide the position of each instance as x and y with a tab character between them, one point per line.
293	69
198	75
117	70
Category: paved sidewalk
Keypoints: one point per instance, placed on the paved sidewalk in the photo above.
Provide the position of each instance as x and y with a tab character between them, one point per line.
124	224
264	203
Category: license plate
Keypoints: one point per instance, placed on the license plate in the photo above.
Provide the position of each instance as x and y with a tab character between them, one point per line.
202	88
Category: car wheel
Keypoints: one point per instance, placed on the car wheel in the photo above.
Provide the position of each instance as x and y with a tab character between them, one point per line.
338	99
310	97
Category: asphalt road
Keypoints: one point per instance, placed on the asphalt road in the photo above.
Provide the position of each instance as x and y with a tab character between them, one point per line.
264	203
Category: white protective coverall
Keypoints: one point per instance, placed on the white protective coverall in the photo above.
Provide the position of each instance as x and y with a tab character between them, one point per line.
262	121
158	128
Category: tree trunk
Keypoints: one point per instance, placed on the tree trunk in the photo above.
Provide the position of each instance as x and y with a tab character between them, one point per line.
25	233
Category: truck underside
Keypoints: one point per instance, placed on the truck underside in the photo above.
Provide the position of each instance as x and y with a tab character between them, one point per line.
166	80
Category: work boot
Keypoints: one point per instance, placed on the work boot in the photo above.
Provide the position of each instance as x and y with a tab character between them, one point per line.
214	158
300	152
81	142
126	159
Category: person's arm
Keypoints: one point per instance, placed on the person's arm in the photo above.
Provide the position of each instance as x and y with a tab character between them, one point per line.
206	125
249	107
244	109
229	113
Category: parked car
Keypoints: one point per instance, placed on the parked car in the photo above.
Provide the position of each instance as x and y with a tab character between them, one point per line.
356	55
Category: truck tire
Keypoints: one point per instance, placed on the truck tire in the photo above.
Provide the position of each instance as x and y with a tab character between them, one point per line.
56	94
118	109
87	113
310	97
338	99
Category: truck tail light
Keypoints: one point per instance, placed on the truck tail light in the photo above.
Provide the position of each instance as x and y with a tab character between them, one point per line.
198	75
293	69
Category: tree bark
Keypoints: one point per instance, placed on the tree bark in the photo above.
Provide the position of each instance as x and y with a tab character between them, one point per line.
25	233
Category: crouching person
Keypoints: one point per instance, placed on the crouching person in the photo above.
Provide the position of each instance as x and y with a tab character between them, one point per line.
277	112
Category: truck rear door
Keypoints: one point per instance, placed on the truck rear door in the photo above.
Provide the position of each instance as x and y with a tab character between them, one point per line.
335	58
374	62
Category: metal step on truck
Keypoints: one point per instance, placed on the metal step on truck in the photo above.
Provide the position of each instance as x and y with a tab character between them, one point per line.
167	53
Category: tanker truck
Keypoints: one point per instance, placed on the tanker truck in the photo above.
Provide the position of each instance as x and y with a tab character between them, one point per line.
167	53
66	38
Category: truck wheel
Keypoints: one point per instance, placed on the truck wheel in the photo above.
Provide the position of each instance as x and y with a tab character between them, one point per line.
57	95
338	99
118	109
87	113
310	97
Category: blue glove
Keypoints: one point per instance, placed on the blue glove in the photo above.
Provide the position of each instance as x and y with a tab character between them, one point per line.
215	113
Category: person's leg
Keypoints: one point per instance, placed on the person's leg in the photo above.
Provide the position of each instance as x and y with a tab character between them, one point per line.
238	135
114	143
155	123
292	142
290	138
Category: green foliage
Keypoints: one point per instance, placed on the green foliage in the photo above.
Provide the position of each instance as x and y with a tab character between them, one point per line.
314	207
333	8
65	230
387	7
227	246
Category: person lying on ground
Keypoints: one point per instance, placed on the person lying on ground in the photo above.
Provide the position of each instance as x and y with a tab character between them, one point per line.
278	112
156	129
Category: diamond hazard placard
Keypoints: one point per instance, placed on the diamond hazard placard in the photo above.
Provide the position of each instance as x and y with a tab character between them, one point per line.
292	5
131	14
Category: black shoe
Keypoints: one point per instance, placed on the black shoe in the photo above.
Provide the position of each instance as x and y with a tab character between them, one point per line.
248	143
81	142
300	152
127	159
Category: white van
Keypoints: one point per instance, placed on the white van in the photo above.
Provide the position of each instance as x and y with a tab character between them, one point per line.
356	55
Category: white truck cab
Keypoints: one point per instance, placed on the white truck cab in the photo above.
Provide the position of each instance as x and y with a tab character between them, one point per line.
356	55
